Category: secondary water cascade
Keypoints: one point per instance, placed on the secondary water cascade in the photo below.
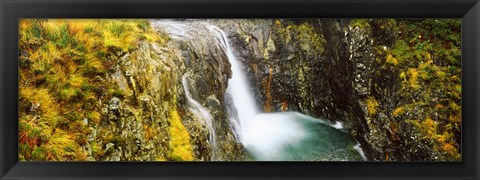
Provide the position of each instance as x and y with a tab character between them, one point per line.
283	136
202	112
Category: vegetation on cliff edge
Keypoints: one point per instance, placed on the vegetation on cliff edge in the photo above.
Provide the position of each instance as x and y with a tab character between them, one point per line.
61	67
424	60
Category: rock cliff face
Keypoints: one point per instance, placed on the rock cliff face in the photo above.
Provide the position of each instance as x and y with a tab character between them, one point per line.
138	90
334	69
150	83
316	67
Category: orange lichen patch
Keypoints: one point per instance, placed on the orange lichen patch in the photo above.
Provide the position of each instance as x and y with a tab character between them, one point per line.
268	102
445	140
439	106
150	132
393	129
24	24
147	134
255	68
450	149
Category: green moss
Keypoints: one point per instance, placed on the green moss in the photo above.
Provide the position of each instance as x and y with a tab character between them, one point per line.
38	154
143	25
118	93
118	29
68	94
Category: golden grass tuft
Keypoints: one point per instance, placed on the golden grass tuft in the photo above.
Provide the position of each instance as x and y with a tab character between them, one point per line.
76	80
62	145
42	99
180	147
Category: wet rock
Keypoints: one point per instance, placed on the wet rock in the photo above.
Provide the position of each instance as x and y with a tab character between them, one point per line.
317	82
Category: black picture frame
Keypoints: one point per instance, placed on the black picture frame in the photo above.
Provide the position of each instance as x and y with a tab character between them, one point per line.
12	10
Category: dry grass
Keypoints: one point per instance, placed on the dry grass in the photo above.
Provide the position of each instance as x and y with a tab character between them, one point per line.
180	146
59	61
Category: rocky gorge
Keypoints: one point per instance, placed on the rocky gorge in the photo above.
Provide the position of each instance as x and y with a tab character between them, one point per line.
349	71
162	94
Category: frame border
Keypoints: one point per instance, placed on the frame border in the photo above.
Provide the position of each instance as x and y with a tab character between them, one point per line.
12	10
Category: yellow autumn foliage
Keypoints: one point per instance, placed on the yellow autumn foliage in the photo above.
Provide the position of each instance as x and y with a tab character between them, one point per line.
57	90
180	146
372	105
397	111
391	60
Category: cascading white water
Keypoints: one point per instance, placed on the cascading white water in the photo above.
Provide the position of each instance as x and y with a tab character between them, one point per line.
279	136
199	111
238	87
265	136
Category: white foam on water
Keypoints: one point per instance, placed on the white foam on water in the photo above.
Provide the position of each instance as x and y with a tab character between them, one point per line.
267	136
338	125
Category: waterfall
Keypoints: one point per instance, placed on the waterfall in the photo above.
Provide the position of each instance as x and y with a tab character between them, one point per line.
264	135
281	136
238	87
199	111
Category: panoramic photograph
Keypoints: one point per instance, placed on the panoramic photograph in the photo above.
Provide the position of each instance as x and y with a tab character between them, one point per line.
239	90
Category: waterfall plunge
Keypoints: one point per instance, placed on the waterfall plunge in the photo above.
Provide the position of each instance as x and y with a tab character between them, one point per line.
238	89
272	136
281	135
262	134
